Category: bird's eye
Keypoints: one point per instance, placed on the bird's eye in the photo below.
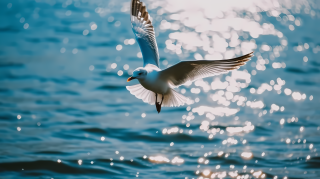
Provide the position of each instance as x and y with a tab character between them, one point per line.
140	73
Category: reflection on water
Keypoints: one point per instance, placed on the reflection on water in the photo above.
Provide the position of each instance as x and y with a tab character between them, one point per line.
65	113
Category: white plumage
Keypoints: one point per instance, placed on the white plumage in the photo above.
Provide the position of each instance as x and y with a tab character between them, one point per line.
156	82
172	98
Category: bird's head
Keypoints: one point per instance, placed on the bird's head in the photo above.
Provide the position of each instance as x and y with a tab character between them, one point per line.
138	73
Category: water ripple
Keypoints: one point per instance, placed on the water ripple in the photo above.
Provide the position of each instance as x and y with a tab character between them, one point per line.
65	111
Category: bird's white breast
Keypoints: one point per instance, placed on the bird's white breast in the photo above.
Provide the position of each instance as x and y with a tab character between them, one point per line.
153	83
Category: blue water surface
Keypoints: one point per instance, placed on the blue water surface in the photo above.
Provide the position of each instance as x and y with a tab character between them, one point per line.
65	111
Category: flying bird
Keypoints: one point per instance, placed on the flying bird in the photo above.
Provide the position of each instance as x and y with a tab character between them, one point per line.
156	85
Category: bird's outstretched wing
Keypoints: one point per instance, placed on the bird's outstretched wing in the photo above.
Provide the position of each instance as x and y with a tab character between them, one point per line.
144	32
192	70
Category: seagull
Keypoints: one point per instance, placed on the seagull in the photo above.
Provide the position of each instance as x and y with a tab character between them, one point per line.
159	84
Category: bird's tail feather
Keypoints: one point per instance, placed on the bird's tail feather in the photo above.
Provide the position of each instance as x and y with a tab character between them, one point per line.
172	98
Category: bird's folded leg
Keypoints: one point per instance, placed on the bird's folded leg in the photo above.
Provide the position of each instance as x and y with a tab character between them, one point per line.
158	106
162	100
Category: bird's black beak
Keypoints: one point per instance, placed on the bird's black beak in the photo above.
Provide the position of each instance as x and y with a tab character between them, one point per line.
130	78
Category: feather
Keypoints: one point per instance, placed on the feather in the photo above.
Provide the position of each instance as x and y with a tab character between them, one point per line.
143	29
192	70
172	98
141	93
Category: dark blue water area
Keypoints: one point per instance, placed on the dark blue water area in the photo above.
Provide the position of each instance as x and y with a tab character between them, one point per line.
65	111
